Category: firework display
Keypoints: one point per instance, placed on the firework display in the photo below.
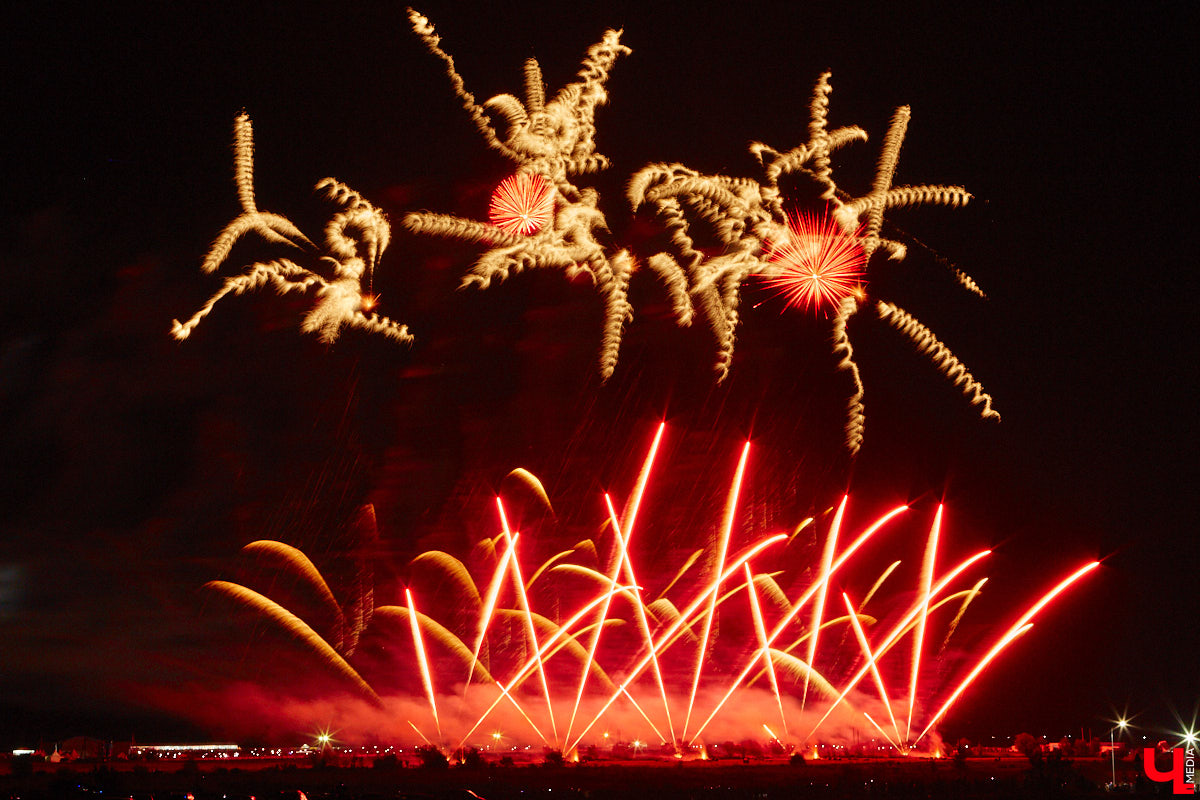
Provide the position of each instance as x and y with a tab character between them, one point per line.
539	218
552	139
816	264
337	340
819	266
591	639
355	238
746	629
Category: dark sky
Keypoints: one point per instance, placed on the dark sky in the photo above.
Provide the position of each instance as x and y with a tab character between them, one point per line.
134	467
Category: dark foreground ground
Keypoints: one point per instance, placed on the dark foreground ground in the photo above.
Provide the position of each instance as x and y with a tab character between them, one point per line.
762	780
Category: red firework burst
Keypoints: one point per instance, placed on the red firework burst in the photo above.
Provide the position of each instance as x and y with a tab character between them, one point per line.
819	264
522	204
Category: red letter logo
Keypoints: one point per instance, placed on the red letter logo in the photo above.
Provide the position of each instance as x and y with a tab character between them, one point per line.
1176	775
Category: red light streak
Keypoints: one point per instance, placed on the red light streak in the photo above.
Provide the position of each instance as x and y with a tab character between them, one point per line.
829	623
1019	627
798	605
866	650
418	730
919	638
489	605
531	663
819	606
723	549
895	634
523	598
685	615
623	562
612	588
1004	642
426	677
661	625
891	741
643	622
760	630
1055	592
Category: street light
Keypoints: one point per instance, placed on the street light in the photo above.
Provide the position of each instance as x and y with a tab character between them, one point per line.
1121	723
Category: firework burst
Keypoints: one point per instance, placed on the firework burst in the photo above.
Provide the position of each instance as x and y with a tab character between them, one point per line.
522	204
818	265
578	641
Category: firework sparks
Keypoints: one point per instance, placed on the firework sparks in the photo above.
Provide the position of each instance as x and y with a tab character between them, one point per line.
1018	628
522	204
554	626
878	582
355	239
422	659
922	621
625	566
817	264
760	630
542	220
814	261
866	650
1004	642
489	605
727	531
797	606
519	583
895	634
680	622
819	606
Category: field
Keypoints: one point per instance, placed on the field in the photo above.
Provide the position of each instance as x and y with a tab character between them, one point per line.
764	779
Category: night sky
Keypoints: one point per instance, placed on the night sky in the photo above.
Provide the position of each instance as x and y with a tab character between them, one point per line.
134	466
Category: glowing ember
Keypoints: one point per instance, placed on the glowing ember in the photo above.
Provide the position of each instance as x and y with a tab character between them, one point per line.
819	265
522	204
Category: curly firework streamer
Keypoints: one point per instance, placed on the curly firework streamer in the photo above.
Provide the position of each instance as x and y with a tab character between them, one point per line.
355	238
855	414
618	311
423	28
539	218
243	161
867	210
939	354
746	218
968	283
749	235
285	276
